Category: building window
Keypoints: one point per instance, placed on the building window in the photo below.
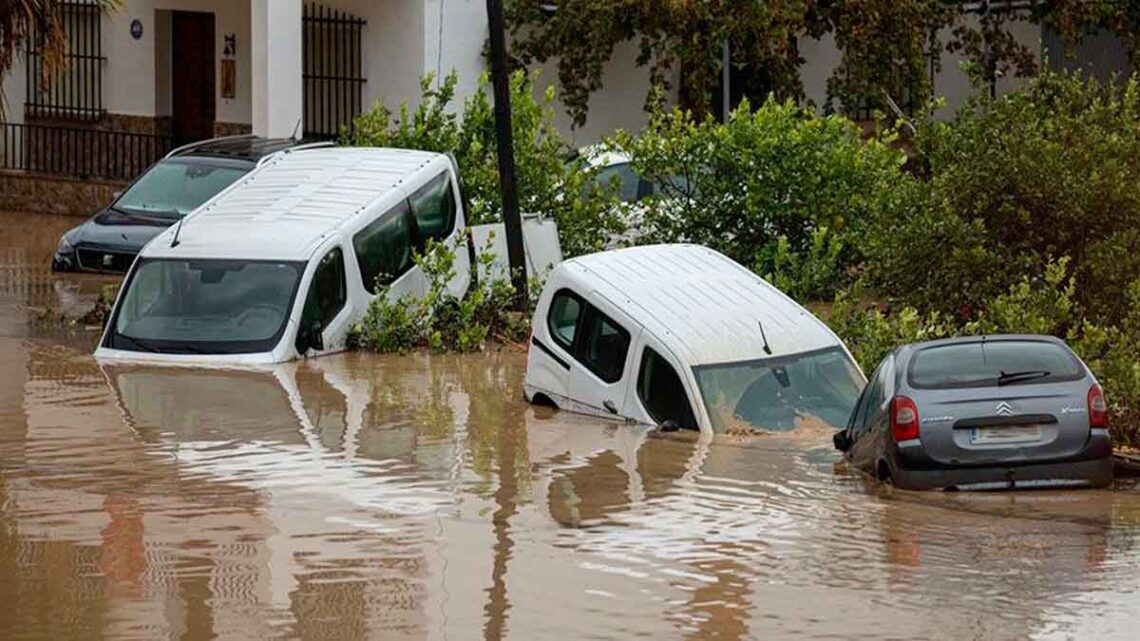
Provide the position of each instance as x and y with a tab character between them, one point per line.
74	90
331	70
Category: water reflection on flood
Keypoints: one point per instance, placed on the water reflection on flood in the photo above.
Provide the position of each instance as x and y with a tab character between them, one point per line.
418	498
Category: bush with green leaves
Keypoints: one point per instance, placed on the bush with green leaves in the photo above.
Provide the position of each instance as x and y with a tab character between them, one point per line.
547	183
440	321
1010	184
815	274
770	172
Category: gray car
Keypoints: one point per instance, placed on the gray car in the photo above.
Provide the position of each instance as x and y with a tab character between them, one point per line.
991	412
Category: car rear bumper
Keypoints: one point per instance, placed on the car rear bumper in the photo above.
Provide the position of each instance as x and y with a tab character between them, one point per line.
1091	467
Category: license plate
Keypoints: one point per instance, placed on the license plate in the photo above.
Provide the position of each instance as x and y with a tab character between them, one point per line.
1001	435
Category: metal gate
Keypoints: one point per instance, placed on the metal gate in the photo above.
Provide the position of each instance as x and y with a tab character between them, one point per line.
331	72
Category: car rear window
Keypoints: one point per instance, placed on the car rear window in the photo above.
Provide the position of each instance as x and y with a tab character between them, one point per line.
990	363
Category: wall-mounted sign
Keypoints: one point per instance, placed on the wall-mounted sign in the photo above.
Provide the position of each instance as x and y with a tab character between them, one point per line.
136	28
230	49
229	79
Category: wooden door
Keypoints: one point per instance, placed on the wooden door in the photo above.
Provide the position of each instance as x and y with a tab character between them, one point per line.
192	70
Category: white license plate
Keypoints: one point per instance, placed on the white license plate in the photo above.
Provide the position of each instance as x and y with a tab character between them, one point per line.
1000	435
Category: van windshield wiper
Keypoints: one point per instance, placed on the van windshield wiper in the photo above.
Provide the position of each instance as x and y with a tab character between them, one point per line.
140	344
1005	378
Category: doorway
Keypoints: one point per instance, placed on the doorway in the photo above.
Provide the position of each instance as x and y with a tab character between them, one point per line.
192	82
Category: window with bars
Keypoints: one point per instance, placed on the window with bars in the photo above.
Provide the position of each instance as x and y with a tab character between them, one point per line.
75	89
332	70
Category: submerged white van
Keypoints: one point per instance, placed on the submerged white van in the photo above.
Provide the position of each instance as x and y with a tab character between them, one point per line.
283	262
682	336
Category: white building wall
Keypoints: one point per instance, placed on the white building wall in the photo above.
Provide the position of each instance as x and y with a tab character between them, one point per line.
130	71
821	57
454	34
392	48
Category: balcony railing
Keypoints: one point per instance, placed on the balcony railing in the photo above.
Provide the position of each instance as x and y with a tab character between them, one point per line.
79	152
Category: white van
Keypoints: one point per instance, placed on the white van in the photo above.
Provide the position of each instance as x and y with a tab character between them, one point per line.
682	336
283	262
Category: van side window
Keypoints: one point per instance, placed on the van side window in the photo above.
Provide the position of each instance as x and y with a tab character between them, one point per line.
327	292
565	310
661	391
384	248
434	208
603	346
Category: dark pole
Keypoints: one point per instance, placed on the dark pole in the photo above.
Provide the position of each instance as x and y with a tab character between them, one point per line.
511	221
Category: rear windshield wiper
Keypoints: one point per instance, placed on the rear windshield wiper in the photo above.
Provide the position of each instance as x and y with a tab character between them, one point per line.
1005	378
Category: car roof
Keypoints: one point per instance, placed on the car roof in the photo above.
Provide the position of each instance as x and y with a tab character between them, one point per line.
249	147
703	305
911	348
289	205
600	155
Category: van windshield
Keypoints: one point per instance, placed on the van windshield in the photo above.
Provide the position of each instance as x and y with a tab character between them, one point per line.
778	394
205	306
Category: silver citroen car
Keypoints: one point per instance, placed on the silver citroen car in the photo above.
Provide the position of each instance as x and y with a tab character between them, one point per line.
977	413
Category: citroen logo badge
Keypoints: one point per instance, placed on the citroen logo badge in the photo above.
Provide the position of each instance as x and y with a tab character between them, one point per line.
1004	409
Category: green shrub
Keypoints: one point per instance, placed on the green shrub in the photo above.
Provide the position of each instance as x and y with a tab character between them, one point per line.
776	171
1046	171
440	321
814	275
547	184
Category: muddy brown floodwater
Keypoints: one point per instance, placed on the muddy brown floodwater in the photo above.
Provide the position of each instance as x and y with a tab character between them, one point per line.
419	498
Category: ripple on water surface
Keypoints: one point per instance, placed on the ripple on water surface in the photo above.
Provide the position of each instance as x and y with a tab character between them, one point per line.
419	497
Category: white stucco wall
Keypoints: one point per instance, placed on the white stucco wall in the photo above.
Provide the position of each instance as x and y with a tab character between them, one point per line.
128	77
392	48
822	56
454	34
15	91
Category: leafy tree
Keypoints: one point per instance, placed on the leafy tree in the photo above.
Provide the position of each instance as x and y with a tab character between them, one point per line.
889	47
770	173
547	183
22	21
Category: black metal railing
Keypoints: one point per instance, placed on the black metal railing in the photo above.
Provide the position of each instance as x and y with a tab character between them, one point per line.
75	89
79	152
332	74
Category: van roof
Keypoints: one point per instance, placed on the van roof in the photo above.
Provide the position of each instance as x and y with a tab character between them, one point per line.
700	303
286	207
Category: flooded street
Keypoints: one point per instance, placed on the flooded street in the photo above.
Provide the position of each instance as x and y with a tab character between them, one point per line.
420	497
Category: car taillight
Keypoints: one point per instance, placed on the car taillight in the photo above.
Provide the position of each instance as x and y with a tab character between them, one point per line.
904	419
1098	408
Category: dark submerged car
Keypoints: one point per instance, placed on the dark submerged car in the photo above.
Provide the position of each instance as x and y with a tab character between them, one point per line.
167	191
994	412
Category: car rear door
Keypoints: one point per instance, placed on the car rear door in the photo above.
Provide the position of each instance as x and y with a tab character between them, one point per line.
1028	419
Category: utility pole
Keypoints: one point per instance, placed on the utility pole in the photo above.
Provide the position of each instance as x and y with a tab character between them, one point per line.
500	79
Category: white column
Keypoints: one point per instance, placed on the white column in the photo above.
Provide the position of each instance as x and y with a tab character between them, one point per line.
15	90
276	50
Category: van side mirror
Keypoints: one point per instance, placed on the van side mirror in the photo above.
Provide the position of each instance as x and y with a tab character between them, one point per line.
670	426
841	440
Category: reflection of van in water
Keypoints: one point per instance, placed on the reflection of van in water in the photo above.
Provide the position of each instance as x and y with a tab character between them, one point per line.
286	260
680	335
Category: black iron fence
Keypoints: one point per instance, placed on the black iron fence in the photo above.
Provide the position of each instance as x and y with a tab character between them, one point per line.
79	152
332	74
74	90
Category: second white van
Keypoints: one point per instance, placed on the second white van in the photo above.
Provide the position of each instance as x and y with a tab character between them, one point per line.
683	337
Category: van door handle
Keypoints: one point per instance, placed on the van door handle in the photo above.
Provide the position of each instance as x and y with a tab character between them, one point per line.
610	407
